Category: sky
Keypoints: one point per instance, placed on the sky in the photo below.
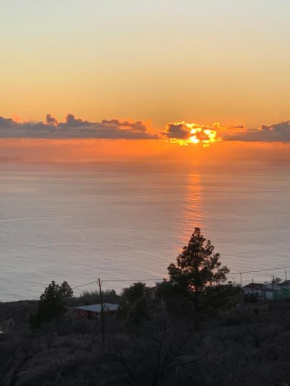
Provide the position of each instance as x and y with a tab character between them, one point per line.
77	72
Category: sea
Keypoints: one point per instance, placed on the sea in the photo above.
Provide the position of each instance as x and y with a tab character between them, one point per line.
126	222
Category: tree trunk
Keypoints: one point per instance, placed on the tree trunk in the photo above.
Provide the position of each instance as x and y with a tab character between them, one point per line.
196	309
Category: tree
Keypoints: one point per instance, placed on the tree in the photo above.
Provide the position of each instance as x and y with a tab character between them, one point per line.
198	267
176	299
134	292
136	303
52	303
276	280
219	299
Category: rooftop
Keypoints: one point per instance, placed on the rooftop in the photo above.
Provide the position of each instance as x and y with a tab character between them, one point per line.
254	286
98	307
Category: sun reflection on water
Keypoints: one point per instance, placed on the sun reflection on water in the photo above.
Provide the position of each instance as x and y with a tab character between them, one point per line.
193	215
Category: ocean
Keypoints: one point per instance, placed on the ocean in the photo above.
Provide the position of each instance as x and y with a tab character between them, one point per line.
126	222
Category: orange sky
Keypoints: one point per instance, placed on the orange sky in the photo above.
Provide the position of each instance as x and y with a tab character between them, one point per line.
159	62
193	61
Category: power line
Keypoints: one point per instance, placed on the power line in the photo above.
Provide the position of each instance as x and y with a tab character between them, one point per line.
231	274
260	270
83	285
113	280
260	275
136	280
117	280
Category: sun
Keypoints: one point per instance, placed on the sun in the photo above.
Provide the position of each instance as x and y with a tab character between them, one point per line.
185	134
193	138
203	136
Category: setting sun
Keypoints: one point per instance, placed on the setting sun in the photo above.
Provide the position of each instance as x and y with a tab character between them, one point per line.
186	133
200	135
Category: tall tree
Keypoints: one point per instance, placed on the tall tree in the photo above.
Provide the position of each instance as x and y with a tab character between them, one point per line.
197	268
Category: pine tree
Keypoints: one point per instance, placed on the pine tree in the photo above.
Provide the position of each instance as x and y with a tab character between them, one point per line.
197	268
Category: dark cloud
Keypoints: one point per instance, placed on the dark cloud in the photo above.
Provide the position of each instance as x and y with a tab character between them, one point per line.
74	128
50	120
71	121
138	126
176	131
278	132
7	123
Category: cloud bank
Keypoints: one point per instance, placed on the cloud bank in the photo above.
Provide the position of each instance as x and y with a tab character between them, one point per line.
77	128
278	132
73	128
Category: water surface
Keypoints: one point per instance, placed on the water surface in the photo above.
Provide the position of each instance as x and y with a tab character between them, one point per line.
129	221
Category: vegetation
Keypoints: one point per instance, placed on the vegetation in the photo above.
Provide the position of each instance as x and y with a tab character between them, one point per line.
52	303
154	340
137	304
246	346
198	269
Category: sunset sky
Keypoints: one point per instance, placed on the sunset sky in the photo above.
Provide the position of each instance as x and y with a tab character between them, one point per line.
140	75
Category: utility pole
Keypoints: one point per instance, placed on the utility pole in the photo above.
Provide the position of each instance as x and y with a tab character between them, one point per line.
241	279
285	276
102	312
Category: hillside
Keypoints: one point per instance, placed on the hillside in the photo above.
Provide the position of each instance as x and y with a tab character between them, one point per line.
248	346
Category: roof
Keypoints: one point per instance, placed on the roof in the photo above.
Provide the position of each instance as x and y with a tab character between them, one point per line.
98	307
254	286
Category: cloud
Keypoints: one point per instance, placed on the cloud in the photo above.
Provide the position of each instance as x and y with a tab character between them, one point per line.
177	131
182	131
278	132
71	122
138	126
7	123
74	128
50	120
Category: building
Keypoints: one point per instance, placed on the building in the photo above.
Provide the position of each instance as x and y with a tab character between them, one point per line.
94	311
277	292
271	291
256	289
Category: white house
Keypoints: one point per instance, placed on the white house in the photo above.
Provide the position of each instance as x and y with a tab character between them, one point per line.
257	289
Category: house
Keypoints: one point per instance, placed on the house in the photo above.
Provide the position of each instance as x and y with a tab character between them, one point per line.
94	311
257	289
277	292
271	291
